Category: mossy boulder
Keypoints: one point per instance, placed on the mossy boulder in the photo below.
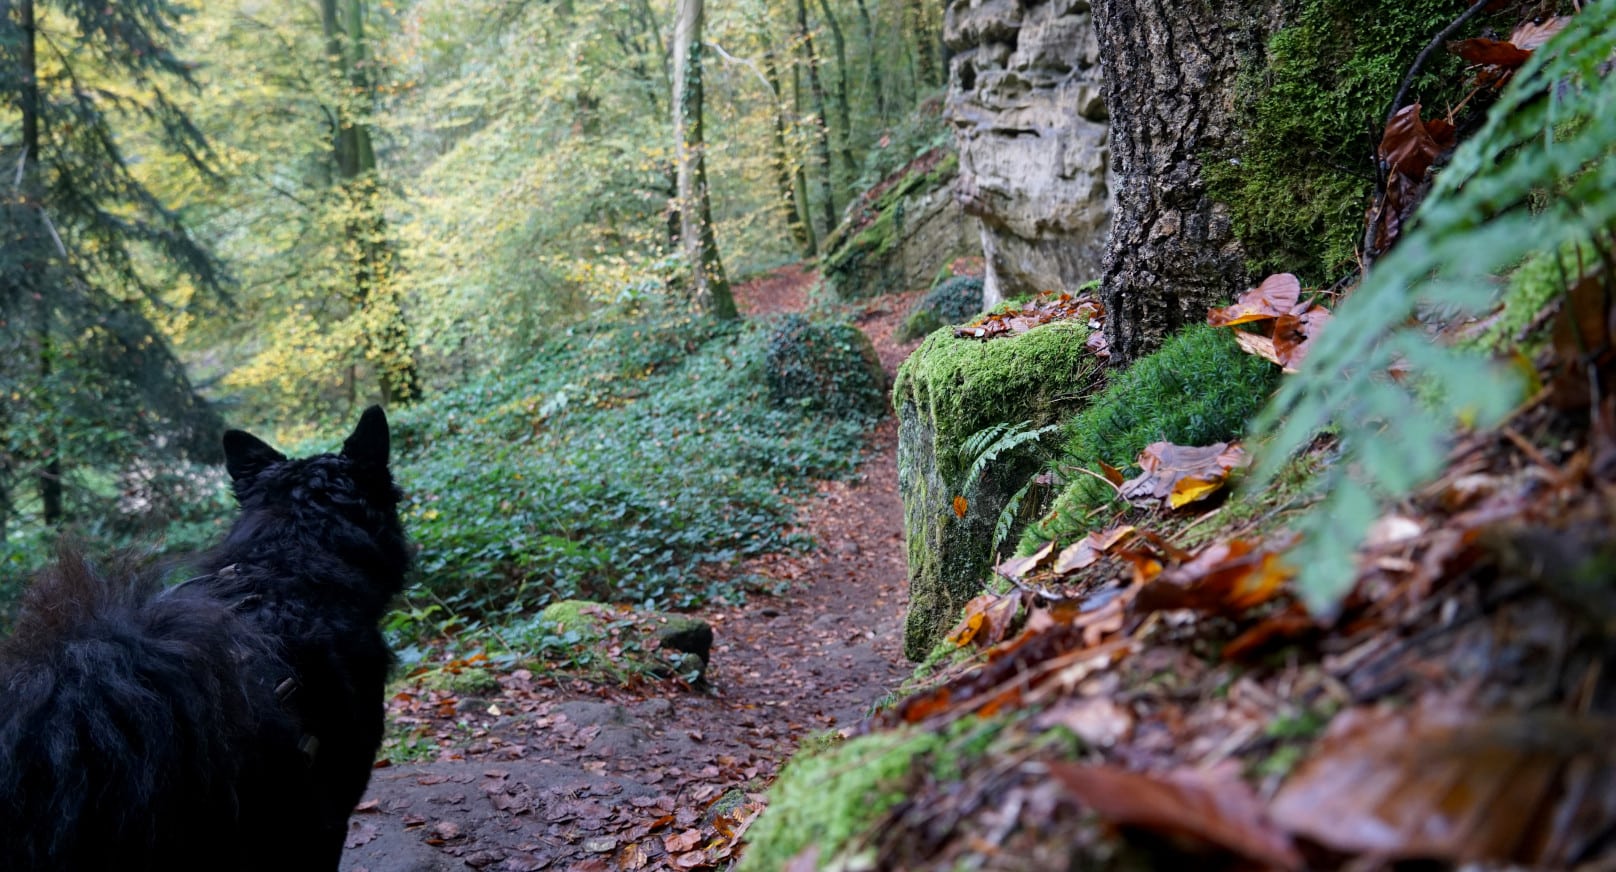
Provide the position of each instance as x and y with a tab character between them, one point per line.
681	646
824	367
901	232
1197	389
954	301
946	391
826	798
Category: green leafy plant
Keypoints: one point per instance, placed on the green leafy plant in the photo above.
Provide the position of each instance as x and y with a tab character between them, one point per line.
1540	174
986	446
954	301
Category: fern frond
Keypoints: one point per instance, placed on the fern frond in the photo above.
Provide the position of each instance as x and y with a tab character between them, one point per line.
1541	173
1007	441
1007	517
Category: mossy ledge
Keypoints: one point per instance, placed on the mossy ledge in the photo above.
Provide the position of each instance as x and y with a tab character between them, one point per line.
946	391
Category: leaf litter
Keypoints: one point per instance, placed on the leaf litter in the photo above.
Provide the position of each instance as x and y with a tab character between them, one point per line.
1457	708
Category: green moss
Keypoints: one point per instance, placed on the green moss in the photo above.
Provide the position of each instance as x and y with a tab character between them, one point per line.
1531	287
465	682
965	385
828	798
946	391
831	795
574	616
1298	180
1199	388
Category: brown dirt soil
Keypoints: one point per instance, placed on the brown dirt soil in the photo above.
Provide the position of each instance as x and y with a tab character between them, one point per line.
559	773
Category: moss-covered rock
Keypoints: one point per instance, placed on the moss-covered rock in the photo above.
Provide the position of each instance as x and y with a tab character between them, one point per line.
651	642
907	227
946	391
824	367
827	798
1199	388
954	301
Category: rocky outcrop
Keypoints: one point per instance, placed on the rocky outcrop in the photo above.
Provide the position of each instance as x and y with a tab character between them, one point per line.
901	233
947	391
1031	125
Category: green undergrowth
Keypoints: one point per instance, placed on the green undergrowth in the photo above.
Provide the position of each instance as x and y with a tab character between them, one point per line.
1311	110
1198	389
615	465
953	301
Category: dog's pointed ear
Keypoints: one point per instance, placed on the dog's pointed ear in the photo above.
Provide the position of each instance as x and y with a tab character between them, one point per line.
369	443
245	455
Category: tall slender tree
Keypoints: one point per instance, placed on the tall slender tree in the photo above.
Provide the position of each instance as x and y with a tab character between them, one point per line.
790	195
374	291
816	88
709	288
841	99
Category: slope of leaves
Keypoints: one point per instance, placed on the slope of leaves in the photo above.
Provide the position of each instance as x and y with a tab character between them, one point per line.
1540	174
612	466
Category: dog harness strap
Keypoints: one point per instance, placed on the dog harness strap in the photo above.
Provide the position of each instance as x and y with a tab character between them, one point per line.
309	744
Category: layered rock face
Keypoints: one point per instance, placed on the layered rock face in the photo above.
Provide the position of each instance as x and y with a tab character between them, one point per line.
1030	122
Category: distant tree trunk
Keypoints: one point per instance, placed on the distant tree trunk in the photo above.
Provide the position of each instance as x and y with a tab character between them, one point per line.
709	287
844	114
816	88
30	196
1170	76
790	198
803	191
375	288
926	42
872	59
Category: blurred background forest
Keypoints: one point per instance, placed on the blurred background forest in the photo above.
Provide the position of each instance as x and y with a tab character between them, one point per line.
273	214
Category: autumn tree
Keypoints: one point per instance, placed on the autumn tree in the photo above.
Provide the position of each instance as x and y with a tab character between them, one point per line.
374	291
709	288
88	247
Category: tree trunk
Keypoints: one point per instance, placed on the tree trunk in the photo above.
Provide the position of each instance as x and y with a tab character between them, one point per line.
816	88
31	196
872	59
844	114
709	287
1169	80
375	289
926	44
790	198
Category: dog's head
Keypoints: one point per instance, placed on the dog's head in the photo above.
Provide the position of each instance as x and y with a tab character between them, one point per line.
354	485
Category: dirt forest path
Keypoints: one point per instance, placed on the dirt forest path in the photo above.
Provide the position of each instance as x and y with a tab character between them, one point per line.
567	775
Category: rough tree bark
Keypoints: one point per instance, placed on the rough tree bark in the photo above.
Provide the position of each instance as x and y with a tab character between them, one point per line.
708	285
1170	86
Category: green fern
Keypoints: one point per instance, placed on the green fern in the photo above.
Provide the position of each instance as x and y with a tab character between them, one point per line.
1007	516
990	443
1540	174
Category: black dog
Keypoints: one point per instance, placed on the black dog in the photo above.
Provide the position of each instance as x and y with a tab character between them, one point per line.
227	723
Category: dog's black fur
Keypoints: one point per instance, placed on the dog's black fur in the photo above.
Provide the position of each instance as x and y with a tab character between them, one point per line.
227	723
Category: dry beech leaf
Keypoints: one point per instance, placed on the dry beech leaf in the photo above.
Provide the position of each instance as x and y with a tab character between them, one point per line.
1181	805
1262	346
1276	296
1166	466
1460	787
987	620
1225	578
1088	550
1043	309
1492	52
1532	34
1407	147
1017	568
961	507
1294	334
